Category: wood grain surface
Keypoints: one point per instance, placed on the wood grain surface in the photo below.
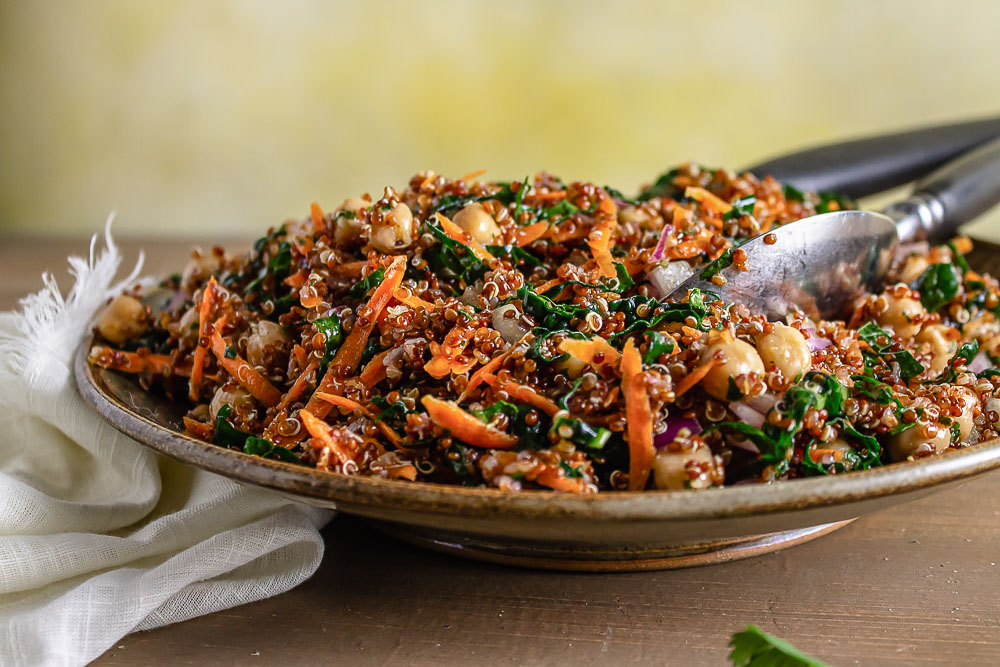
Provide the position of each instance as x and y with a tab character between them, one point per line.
916	584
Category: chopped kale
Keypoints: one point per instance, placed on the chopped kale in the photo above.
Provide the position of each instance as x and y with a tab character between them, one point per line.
938	285
871	334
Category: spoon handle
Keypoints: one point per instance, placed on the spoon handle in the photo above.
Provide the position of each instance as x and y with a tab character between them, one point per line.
950	196
862	167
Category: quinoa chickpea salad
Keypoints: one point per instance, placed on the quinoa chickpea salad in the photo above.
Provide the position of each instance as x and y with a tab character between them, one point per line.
517	335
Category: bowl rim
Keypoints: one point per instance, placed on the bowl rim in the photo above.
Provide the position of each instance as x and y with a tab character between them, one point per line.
309	484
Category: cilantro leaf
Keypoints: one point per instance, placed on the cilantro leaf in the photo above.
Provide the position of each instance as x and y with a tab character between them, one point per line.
755	648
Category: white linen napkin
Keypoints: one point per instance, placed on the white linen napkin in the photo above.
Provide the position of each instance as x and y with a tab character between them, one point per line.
99	536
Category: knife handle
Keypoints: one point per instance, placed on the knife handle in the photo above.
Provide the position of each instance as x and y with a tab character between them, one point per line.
866	166
950	196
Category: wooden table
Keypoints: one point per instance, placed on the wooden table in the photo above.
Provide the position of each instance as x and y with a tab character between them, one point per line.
916	584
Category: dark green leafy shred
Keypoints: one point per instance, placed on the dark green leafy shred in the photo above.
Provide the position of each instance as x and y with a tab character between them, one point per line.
909	367
741	207
662	187
329	326
371	281
830	201
230	352
938	285
966	353
659	344
723	261
583	434
227	435
792	193
529	436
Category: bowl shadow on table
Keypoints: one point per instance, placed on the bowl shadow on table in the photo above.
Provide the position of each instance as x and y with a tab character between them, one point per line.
905	585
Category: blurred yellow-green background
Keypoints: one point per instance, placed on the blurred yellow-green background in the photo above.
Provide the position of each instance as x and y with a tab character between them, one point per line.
218	118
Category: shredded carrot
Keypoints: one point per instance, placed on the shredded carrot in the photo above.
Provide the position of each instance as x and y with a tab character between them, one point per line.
587	350
300	355
963	244
339	401
551	478
198	429
547	285
695	376
133	362
407	472
464	426
404	296
530	396
707	199
317	217
295	392
389	434
350	269
258	385
817	454
555	195
204	315
374	371
473	174
352	349
456	233
320	430
477	378
530	233
297	279
600	237
441	365
639	419
310	300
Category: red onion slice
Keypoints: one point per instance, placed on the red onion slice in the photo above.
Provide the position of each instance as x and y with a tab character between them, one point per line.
980	363
747	414
661	245
815	342
674	425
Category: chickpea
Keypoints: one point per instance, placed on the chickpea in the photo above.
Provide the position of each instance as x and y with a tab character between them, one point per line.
740	359
942	343
477	223
966	420
397	231
264	335
634	214
231	394
198	269
348	229
786	349
903	316
123	319
670	468
913	267
914	442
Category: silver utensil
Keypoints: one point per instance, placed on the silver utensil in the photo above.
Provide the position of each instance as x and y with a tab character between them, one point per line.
821	264
861	167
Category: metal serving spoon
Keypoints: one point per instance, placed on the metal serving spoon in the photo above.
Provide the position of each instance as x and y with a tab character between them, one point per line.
821	264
